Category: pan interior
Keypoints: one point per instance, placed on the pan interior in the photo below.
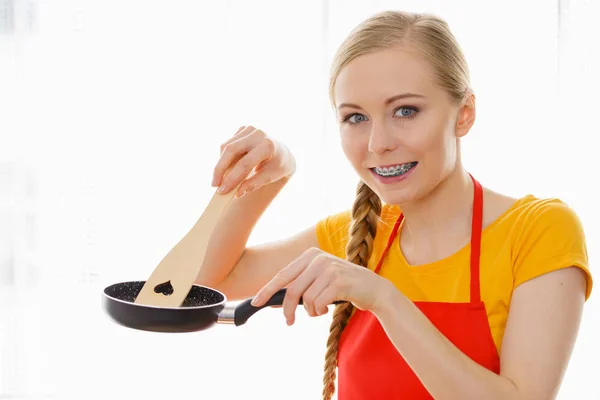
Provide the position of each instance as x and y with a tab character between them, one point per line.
197	297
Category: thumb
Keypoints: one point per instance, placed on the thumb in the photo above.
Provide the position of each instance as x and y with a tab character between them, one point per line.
256	181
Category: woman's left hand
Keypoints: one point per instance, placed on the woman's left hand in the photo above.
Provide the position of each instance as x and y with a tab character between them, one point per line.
320	279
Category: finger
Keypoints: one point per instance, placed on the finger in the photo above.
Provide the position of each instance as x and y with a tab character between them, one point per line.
259	179
284	277
311	294
271	144
298	287
240	133
232	152
280	280
256	181
237	148
327	297
263	163
244	167
292	298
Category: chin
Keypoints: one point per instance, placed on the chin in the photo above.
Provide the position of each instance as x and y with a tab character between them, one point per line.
398	198
394	196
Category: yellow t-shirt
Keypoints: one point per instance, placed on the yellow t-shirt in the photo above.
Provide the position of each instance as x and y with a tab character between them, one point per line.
533	237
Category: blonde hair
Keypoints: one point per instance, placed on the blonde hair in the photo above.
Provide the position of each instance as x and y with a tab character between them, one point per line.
432	37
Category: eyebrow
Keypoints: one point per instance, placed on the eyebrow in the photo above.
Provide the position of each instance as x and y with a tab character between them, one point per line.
388	101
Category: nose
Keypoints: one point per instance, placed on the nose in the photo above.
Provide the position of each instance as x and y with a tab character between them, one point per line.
381	139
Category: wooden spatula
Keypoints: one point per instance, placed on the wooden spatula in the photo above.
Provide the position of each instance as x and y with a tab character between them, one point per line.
173	278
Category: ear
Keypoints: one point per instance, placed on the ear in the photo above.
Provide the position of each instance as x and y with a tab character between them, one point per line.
466	116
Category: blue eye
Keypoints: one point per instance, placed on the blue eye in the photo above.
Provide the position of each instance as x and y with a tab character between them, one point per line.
355	118
406	112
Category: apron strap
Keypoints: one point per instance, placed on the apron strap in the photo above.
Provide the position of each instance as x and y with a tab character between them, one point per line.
476	227
390	241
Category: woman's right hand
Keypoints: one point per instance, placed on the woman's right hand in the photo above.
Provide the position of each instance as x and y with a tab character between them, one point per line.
250	150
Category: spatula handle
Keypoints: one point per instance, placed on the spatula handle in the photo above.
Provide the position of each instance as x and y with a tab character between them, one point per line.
180	267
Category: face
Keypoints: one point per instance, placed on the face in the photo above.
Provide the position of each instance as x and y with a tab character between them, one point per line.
398	128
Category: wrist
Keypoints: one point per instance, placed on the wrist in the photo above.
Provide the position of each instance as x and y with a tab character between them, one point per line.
387	300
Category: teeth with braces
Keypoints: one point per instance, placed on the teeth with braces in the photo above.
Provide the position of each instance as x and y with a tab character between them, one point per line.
394	171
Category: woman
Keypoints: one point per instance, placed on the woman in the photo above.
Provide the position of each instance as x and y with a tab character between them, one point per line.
451	290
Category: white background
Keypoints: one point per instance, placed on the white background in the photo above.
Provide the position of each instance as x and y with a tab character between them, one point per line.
111	117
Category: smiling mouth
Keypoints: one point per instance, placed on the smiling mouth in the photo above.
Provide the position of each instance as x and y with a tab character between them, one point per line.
394	170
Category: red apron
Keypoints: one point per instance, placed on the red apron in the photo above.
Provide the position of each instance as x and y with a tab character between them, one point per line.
370	367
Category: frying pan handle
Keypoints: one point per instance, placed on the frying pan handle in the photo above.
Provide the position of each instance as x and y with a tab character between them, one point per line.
245	310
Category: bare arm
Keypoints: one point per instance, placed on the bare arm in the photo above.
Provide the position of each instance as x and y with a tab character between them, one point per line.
228	265
239	272
258	265
229	238
540	334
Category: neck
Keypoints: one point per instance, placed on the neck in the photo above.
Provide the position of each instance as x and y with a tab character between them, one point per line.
445	212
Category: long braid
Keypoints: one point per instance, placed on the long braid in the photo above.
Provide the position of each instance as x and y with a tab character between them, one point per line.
431	35
365	214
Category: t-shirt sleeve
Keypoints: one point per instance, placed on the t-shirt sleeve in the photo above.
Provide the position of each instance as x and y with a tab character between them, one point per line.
551	238
332	233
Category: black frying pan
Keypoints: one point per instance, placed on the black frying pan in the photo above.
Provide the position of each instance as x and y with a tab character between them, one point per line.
202	308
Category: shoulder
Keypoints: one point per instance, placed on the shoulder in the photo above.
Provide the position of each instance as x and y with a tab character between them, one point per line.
547	235
532	214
